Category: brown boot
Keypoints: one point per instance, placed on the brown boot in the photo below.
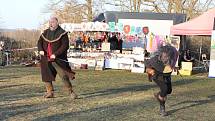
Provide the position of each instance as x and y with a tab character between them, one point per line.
49	90
73	95
68	86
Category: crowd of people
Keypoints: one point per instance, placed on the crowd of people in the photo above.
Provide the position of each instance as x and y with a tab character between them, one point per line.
95	39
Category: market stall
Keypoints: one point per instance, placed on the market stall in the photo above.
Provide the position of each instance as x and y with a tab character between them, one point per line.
105	60
123	40
202	25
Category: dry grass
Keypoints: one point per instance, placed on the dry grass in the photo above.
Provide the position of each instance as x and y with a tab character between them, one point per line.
103	95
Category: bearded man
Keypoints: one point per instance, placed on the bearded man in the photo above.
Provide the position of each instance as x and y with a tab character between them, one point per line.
52	46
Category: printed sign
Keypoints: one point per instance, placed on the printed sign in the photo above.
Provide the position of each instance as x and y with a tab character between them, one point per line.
212	57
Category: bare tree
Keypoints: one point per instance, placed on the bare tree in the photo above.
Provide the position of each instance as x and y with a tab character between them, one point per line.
76	11
26	38
89	10
71	10
190	7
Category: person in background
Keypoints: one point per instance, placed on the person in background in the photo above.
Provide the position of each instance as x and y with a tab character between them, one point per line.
52	46
146	54
187	57
120	41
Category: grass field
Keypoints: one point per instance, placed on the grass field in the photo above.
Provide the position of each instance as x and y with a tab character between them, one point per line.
110	95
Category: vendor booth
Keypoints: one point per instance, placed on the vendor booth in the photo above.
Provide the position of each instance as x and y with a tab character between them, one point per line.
138	34
145	29
201	25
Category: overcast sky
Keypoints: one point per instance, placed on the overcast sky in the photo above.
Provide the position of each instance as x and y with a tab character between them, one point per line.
22	13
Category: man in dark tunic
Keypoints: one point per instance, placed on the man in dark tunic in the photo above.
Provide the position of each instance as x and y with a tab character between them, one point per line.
52	46
159	69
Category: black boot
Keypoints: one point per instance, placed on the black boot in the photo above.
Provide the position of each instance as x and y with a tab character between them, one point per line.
162	109
162	104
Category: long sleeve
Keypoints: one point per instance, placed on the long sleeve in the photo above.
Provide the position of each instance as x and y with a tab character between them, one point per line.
155	63
40	44
64	45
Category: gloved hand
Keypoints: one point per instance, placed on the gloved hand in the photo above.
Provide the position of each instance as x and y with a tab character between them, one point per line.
52	56
41	53
150	73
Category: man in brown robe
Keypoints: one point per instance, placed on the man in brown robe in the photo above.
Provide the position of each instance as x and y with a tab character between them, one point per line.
52	46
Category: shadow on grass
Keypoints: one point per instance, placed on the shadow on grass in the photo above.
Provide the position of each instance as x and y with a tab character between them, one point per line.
184	81
8	112
17	72
19	96
16	93
110	112
9	77
3	80
193	103
9	86
134	88
111	91
9	93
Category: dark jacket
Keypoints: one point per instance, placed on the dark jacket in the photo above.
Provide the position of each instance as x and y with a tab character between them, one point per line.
155	64
59	45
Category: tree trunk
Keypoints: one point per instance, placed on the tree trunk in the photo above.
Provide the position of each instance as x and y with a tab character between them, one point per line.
89	10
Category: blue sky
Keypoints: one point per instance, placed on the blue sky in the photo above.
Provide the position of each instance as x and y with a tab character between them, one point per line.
27	14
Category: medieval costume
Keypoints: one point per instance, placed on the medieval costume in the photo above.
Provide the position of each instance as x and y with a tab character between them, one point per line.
159	70
55	42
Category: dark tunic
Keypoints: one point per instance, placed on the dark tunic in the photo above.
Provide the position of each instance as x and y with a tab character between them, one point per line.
59	42
155	63
167	55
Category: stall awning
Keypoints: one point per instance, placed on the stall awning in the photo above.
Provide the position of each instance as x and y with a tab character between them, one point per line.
201	25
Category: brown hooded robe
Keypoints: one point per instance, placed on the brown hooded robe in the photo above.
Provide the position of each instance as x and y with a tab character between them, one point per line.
59	45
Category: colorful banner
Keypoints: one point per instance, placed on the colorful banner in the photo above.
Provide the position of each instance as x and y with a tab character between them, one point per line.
85	26
132	32
119	27
111	26
158	27
212	57
138	30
